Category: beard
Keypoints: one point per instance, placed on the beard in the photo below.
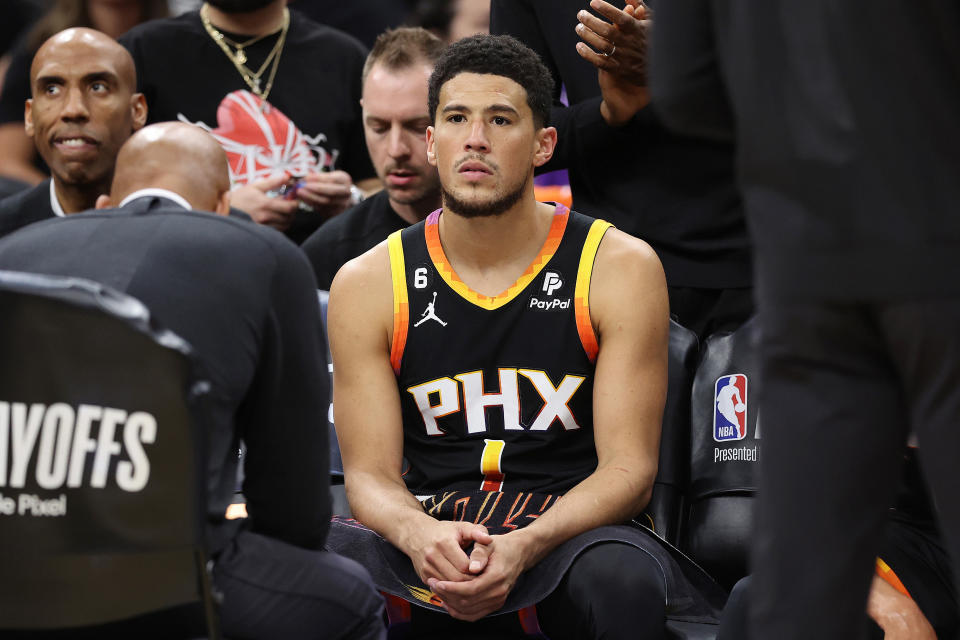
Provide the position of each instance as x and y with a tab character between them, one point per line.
490	208
239	6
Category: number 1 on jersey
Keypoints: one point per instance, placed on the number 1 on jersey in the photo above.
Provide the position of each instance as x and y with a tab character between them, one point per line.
490	465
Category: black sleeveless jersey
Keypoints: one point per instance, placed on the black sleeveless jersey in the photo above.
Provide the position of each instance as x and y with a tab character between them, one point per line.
496	392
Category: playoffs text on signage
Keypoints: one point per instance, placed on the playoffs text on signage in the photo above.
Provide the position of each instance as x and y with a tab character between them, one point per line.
59	446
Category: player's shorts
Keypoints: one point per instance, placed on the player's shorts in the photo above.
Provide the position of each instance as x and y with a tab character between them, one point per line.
922	565
691	595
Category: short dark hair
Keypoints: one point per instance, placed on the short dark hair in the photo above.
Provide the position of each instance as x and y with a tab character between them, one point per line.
500	56
401	48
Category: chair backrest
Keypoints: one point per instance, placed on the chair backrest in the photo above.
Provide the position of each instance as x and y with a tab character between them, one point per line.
102	495
667	502
338	493
336	462
724	452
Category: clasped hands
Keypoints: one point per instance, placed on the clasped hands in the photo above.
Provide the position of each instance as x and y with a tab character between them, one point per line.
474	585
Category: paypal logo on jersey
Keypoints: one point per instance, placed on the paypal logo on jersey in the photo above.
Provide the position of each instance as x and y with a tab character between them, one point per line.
551	282
730	408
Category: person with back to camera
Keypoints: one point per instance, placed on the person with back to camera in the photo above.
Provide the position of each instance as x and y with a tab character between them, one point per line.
254	325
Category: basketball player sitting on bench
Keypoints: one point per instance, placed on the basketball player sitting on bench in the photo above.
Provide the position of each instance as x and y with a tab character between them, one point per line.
515	353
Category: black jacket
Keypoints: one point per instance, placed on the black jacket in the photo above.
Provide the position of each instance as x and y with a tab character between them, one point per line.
847	134
254	324
25	208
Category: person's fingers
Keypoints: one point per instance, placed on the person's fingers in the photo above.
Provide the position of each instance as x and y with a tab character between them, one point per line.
330	190
319	200
268	184
328	177
469	532
457	589
596	41
592	22
472	599
448	561
280	206
591	56
478	558
612	13
275	219
440	568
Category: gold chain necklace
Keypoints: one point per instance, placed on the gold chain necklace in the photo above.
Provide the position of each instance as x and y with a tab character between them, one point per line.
240	46
239	59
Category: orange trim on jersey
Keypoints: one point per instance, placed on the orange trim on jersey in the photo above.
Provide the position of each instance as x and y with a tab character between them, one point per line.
887	575
432	231
581	295
529	621
398	609
401	311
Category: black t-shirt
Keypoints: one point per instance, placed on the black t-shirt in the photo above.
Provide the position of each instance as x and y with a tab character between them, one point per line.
312	121
350	234
253	323
25	208
676	193
363	19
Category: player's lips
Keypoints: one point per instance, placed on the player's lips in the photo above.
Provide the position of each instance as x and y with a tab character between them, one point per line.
474	170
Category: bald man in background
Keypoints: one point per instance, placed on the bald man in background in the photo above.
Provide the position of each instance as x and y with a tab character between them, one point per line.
254	323
84	107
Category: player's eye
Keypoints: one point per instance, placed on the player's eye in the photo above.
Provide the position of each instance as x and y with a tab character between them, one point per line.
99	87
52	89
500	120
456	117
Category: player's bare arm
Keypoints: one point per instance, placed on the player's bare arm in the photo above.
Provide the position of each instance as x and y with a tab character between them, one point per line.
630	314
369	424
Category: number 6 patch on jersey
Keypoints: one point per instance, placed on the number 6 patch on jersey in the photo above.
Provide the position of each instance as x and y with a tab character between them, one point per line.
490	465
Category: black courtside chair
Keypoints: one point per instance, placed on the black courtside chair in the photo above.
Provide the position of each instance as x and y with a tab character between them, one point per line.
102	497
724	456
667	501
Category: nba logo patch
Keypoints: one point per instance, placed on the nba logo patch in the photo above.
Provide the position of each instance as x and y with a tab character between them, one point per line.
730	408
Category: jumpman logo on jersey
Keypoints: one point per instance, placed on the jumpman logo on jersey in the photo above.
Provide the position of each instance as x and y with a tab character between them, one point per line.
430	314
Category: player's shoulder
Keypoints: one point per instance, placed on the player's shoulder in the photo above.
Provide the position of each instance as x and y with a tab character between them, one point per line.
369	271
620	252
361	294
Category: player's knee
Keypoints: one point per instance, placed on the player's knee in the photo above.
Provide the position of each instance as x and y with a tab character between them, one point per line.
615	572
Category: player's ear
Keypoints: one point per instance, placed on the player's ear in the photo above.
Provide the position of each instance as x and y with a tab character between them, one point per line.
103	201
431	153
546	142
28	117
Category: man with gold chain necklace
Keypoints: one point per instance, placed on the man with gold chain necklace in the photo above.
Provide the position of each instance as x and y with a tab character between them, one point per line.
279	92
